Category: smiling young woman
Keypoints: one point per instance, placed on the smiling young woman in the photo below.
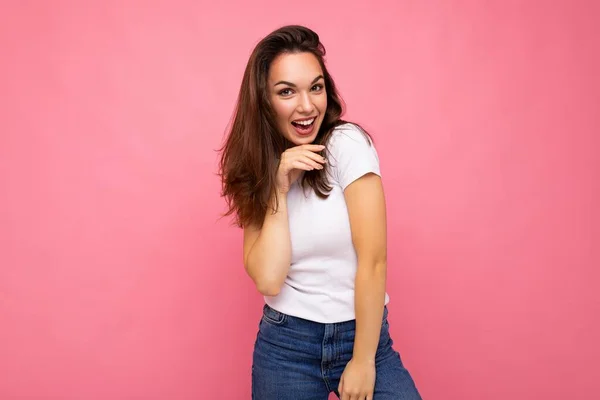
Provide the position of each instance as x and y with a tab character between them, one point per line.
305	186
300	107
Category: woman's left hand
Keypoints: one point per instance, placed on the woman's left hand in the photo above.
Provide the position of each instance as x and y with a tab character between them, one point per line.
357	381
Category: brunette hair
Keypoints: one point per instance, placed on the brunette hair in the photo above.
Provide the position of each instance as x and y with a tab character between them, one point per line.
250	155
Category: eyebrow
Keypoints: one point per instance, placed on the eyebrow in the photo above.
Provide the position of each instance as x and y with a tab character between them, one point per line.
293	85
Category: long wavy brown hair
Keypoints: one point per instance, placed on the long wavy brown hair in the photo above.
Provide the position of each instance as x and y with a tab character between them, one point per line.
253	146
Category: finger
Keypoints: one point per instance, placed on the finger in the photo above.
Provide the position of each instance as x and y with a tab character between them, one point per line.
309	161
299	151
300	164
313	147
341	388
314	156
305	156
312	163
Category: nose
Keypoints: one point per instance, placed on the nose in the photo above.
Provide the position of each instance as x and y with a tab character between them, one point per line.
305	104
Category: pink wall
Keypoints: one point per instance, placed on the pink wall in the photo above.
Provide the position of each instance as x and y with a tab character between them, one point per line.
118	281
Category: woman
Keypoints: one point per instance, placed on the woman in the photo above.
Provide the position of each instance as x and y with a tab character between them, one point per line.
305	186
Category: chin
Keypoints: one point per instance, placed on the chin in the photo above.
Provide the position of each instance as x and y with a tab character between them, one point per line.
300	140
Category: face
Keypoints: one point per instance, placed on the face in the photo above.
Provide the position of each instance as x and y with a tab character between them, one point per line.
298	97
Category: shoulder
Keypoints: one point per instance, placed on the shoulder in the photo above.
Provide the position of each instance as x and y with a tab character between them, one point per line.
349	134
351	154
350	140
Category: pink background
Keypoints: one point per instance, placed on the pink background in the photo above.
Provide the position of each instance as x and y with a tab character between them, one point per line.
118	280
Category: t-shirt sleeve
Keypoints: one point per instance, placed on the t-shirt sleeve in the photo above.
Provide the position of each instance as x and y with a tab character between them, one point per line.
351	155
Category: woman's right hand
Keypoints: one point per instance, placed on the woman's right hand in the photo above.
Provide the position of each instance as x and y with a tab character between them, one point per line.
295	160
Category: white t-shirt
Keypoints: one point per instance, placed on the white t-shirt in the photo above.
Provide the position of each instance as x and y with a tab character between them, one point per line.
320	283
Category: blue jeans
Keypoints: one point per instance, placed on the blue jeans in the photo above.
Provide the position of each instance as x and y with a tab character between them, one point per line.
296	359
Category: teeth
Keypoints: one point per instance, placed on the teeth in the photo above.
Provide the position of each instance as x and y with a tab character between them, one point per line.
307	122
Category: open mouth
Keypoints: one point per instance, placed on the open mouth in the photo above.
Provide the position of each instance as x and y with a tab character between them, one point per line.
304	126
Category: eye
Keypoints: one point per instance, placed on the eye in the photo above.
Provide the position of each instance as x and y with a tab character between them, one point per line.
285	92
317	87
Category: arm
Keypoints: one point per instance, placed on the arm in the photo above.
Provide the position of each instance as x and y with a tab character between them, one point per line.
366	209
268	251
266	267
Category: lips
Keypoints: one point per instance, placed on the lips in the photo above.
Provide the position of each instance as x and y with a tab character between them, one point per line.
305	122
305	126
